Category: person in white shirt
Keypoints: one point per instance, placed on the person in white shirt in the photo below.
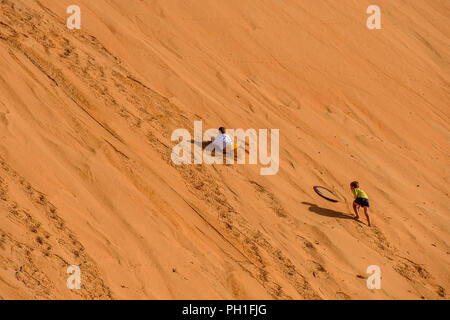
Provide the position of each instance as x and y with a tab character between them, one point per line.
222	141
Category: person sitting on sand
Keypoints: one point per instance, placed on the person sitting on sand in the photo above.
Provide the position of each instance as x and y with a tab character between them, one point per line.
222	141
361	200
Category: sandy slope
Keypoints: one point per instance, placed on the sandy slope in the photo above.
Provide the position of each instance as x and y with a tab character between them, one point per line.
85	170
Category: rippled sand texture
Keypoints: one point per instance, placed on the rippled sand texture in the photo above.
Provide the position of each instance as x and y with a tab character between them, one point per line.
86	176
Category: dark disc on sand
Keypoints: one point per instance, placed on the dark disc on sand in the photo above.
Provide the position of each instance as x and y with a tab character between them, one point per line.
325	193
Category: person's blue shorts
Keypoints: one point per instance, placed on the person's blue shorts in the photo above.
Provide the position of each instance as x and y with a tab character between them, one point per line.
362	202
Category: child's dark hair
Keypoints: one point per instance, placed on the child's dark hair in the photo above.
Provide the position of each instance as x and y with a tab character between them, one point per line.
222	129
354	184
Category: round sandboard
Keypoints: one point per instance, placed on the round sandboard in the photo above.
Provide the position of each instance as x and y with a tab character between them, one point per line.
325	193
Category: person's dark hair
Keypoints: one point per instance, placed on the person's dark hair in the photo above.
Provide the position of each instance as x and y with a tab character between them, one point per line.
354	184
222	130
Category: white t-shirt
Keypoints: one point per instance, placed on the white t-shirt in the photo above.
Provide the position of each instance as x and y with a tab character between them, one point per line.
222	141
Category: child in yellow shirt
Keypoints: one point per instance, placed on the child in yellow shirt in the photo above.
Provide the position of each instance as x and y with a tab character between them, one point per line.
361	200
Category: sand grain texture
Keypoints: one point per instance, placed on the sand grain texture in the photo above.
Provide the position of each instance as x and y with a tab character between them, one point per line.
85	171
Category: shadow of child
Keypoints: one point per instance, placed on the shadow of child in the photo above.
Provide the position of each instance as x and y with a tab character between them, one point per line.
326	212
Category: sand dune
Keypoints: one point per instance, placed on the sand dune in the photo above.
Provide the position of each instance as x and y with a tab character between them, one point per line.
86	176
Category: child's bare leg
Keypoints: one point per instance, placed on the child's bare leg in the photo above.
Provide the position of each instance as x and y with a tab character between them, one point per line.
356	209
366	212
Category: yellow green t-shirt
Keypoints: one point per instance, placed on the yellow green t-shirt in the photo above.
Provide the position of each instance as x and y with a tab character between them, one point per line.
359	193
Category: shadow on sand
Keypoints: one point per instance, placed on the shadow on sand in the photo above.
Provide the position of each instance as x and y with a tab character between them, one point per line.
202	144
326	212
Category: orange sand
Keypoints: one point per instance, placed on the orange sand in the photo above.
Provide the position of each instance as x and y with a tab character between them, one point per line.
86	177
